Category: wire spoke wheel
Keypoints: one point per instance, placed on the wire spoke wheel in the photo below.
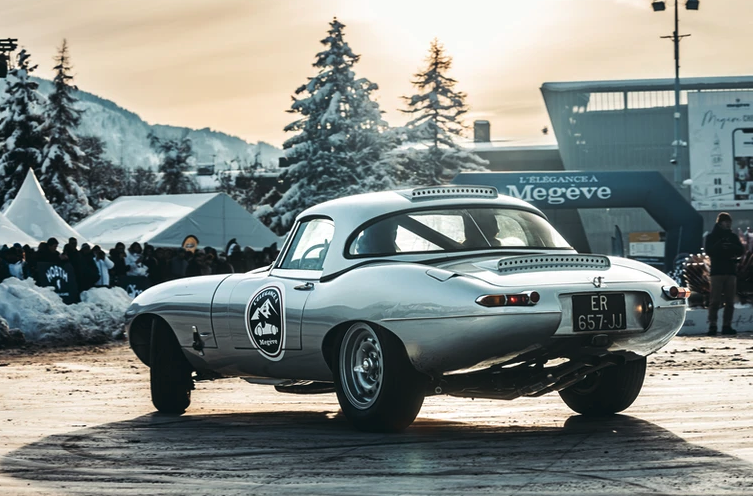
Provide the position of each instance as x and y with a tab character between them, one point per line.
361	366
377	387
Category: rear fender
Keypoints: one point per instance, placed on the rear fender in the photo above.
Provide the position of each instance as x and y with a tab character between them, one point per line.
140	335
184	305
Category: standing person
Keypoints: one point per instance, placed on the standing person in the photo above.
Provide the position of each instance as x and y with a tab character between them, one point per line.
135	261
16	264
148	260
30	256
178	264
88	272
49	252
162	255
4	265
119	270
71	250
724	248
104	265
198	265
235	256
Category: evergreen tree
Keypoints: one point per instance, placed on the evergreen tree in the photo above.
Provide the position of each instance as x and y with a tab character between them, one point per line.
21	138
103	181
242	185
437	109
141	182
341	141
61	167
176	155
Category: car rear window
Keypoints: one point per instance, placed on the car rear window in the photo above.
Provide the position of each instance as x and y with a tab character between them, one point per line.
456	230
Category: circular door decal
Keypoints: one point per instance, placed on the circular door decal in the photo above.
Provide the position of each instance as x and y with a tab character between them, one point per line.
265	322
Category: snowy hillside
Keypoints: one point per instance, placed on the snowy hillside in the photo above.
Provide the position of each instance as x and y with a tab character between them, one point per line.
124	134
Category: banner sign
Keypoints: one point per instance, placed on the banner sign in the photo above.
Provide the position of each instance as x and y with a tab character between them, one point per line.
62	278
576	189
134	285
720	128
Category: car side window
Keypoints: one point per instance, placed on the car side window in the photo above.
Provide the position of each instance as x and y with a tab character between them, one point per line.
310	245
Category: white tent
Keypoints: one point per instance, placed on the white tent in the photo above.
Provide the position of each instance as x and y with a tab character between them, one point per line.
10	234
166	220
32	213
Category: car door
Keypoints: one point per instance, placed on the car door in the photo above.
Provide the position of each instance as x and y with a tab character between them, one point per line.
266	314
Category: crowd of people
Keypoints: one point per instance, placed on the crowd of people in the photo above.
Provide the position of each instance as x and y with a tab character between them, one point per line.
94	267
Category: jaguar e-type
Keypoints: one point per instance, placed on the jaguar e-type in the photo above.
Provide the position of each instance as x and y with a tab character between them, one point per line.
386	298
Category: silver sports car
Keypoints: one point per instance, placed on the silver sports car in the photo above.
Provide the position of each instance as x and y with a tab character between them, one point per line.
386	298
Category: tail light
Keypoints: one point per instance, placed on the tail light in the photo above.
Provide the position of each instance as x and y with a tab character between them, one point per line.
525	299
675	293
645	311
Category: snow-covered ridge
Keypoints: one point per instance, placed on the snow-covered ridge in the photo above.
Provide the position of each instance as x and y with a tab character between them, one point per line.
125	135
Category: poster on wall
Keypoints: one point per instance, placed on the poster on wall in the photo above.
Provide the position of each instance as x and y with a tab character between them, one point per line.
720	127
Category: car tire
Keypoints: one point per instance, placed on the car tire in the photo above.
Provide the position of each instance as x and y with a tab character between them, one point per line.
377	386
608	391
169	373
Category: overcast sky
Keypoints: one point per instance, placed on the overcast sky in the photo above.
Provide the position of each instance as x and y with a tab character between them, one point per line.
233	65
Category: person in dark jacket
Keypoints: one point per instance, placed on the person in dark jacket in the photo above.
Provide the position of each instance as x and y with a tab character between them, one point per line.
723	248
87	274
199	265
49	253
70	250
150	262
235	256
178	264
4	266
119	270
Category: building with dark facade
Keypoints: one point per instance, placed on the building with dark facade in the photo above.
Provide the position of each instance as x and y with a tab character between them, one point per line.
614	126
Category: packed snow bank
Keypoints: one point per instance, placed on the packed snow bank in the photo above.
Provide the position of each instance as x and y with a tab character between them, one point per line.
43	317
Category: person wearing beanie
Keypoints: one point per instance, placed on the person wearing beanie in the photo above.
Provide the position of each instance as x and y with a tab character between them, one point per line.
723	248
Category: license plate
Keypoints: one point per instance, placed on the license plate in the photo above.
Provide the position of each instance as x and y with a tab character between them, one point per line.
599	312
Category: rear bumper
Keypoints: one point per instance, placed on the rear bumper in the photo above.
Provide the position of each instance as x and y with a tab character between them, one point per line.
459	344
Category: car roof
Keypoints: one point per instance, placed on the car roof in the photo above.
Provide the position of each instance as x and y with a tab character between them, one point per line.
351	212
361	208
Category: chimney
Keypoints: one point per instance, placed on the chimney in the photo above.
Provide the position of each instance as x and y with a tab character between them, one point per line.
481	132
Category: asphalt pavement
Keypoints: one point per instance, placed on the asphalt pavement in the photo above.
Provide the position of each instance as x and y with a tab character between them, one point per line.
80	422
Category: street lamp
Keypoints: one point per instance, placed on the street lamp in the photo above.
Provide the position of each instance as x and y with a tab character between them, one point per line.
6	45
659	6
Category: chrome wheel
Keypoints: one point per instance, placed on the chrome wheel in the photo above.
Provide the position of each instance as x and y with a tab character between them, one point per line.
361	364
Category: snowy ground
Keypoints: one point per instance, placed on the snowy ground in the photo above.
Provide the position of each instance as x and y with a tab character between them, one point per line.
43	317
80	422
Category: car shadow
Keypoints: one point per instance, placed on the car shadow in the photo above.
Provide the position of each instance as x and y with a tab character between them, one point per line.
310	452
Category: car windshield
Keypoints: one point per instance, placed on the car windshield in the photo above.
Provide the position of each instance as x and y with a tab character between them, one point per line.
453	230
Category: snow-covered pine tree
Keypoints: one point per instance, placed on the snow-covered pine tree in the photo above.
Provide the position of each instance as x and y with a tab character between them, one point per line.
437	109
175	155
61	166
103	180
341	141
141	182
242	185
21	138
